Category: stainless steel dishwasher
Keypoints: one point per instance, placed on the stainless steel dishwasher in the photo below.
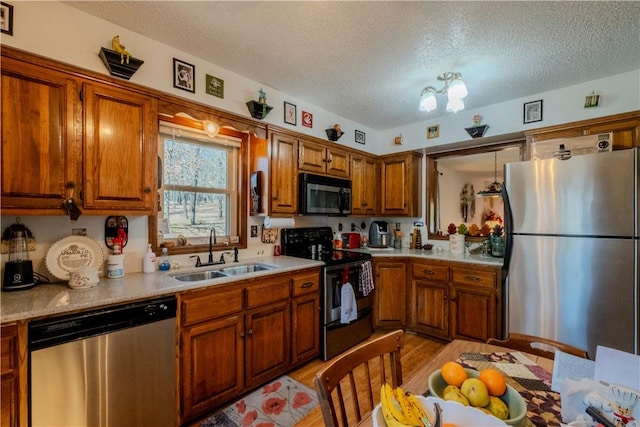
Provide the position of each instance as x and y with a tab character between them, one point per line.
109	367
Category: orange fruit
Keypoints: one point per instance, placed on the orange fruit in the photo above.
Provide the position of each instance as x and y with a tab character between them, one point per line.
494	381
453	373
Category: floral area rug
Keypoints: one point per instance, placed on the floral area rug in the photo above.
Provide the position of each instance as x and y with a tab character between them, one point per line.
281	403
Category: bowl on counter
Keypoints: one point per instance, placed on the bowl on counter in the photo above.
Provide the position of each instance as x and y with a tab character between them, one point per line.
515	402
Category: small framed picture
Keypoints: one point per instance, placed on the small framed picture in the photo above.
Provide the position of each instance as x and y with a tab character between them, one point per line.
433	132
307	119
290	113
360	137
533	111
592	100
6	18
184	75
214	86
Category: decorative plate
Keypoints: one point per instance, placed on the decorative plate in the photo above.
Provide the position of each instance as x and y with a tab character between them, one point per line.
452	412
72	253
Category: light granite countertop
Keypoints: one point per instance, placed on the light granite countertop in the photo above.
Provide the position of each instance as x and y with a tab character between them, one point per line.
435	255
57	298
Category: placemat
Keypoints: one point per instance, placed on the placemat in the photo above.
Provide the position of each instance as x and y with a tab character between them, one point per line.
530	380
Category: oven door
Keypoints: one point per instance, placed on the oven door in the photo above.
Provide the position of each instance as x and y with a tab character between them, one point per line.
335	277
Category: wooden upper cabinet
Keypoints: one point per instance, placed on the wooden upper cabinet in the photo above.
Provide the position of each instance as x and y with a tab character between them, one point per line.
317	158
283	175
39	138
120	149
401	180
365	185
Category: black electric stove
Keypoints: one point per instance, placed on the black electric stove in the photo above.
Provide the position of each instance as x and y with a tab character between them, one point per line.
316	243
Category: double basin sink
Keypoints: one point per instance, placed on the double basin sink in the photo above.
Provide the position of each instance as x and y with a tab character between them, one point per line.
196	276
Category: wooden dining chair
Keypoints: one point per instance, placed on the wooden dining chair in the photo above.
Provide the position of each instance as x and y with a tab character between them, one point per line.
537	345
349	386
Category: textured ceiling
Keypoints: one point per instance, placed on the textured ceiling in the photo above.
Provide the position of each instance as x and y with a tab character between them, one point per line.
368	61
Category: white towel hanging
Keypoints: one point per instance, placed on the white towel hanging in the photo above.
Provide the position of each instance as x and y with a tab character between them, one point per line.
348	305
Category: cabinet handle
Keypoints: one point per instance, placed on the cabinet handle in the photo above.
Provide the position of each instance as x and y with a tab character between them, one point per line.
307	285
70	184
147	190
472	278
250	332
329	160
277	195
324	160
242	334
429	272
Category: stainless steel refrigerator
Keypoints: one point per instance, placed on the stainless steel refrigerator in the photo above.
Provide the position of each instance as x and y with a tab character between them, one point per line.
572	249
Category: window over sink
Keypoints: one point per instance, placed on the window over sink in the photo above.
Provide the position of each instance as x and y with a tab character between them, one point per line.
201	187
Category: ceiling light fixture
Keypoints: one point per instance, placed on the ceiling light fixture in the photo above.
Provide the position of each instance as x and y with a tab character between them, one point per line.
495	188
454	88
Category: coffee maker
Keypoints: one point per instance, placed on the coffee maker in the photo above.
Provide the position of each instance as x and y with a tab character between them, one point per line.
18	271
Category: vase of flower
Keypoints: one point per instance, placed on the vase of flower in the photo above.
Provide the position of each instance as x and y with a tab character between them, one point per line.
497	242
457	237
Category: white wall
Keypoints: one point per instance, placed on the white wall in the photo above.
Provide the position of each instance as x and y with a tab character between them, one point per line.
54	30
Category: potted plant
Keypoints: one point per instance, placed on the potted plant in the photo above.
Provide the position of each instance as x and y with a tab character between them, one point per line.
497	241
457	238
477	130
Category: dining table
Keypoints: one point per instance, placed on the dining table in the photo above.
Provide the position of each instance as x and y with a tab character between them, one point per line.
529	374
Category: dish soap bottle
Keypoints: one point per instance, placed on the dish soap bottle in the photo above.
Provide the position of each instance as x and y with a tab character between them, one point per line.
149	261
164	260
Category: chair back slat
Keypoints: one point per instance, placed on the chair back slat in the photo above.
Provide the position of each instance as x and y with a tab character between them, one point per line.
349	386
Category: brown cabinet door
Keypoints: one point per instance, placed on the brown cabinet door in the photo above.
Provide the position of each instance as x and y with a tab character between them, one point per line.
365	185
390	293
473	313
212	365
40	155
312	157
284	175
430	308
120	143
337	163
268	340
305	343
394	181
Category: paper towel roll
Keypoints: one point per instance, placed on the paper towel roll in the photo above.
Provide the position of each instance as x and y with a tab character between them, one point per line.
278	222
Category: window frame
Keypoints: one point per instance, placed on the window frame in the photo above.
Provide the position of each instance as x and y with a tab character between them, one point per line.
241	171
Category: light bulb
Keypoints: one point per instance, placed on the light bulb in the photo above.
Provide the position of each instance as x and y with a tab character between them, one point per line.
211	128
455	105
457	89
428	101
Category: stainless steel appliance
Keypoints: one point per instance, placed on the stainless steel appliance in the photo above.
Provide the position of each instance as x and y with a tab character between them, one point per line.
572	250
109	367
340	267
323	195
379	234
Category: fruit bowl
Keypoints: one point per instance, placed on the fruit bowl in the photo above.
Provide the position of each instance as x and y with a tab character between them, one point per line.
515	402
452	412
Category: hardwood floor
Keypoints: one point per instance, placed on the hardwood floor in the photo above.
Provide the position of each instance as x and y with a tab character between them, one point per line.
416	351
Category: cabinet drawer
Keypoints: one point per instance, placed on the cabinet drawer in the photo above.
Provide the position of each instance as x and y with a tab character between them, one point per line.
306	284
267	293
197	308
432	273
463	276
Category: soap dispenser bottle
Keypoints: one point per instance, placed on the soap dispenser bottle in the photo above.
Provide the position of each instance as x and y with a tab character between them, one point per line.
149	261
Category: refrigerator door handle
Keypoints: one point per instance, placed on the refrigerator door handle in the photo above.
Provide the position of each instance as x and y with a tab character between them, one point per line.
508	229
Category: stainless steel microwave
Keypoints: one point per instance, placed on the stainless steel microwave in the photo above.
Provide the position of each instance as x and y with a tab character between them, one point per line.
323	195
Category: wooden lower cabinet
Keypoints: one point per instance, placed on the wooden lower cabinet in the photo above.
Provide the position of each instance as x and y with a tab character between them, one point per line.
445	300
13	392
238	336
390	278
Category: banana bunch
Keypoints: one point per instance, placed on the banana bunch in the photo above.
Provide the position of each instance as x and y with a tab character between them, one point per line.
401	409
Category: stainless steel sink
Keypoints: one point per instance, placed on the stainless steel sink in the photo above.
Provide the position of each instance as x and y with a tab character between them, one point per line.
200	275
196	276
244	269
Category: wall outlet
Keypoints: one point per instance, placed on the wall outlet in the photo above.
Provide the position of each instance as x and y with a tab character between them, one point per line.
79	231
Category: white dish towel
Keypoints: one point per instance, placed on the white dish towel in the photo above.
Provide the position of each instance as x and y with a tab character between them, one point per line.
348	305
